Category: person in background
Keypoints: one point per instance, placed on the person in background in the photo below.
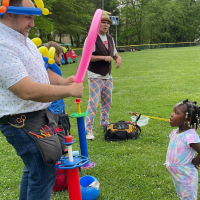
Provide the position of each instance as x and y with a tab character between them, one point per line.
58	107
181	161
64	49
26	88
99	76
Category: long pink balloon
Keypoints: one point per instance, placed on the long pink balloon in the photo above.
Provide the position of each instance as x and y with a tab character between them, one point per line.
89	46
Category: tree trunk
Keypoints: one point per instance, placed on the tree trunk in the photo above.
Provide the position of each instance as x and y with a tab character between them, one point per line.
72	43
40	34
60	34
49	37
151	35
78	41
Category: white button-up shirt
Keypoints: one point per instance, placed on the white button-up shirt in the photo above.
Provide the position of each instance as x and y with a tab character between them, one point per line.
19	57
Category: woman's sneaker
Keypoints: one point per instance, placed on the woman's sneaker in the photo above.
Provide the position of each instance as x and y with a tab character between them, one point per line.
89	136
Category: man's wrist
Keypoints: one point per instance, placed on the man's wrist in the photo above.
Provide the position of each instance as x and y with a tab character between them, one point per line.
116	57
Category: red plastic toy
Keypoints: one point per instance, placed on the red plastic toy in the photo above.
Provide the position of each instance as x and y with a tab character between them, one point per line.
70	55
61	180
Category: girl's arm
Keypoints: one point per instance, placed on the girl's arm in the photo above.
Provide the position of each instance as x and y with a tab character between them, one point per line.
196	160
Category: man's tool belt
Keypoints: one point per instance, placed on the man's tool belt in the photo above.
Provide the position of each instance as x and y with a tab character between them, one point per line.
43	126
12	119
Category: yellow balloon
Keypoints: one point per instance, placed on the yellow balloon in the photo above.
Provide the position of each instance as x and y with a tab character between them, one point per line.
51	55
37	41
39	4
51	61
45	11
44	51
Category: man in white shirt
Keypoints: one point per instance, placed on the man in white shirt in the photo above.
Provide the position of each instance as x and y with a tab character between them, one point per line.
99	76
26	89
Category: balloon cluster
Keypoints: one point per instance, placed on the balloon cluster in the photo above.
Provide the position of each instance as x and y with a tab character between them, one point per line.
40	4
5	4
48	55
24	10
89	46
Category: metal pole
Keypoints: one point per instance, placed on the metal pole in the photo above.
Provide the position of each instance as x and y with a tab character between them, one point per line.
102	4
116	35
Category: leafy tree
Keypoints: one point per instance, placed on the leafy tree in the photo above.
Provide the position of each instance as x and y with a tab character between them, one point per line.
111	6
177	21
141	21
43	25
134	15
159	21
71	17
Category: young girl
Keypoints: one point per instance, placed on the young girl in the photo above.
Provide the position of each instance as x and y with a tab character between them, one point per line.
184	142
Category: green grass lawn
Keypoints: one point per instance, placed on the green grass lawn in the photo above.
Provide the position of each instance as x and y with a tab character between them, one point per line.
149	82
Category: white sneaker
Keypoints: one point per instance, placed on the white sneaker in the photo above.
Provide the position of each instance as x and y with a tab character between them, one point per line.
89	136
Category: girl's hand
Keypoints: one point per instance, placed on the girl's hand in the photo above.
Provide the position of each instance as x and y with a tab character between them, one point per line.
197	166
195	162
133	113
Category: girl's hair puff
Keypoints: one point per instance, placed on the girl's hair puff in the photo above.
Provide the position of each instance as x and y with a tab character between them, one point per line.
192	112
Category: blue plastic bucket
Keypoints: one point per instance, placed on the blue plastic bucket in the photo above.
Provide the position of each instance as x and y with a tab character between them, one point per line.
89	192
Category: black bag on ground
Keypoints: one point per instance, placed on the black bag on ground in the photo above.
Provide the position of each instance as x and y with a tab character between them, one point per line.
121	130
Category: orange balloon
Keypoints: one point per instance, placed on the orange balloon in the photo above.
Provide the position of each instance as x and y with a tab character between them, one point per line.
5	3
3	9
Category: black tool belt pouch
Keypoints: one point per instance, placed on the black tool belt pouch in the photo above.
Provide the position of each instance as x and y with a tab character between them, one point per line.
51	146
63	119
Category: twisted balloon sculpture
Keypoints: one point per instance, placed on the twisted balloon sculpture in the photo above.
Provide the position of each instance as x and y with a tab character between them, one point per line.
24	10
48	55
89	46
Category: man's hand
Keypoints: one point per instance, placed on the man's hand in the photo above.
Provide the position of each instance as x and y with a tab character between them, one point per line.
108	59
77	89
70	80
117	62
